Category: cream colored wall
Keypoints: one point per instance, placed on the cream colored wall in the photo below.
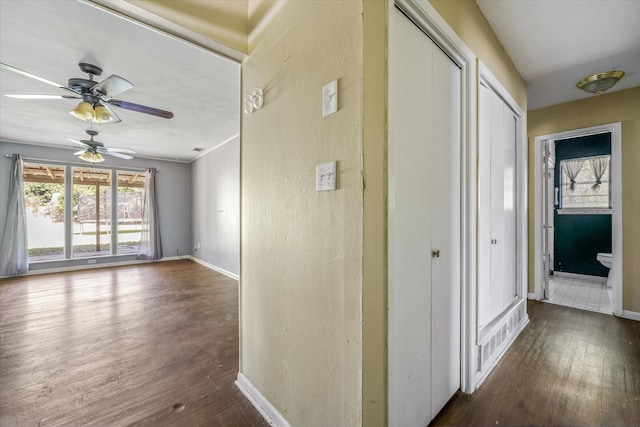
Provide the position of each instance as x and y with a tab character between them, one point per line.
466	19
301	251
221	20
374	275
622	106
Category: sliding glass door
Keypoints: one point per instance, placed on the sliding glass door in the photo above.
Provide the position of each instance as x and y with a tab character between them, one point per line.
104	217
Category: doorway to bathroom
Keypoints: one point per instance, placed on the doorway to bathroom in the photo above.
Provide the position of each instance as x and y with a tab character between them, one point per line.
578	235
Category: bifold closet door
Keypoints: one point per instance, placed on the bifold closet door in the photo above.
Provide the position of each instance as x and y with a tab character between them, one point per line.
424	226
496	206
445	231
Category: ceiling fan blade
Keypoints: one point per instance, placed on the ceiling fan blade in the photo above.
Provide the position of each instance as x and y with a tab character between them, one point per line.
33	76
111	86
120	150
77	153
84	144
120	155
141	108
44	96
114	116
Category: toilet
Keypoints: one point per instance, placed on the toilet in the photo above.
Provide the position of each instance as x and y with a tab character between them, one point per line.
606	259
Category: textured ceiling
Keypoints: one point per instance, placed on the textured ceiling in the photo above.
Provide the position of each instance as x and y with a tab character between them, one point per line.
49	39
554	44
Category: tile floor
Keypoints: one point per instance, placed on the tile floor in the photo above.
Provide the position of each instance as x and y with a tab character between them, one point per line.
578	293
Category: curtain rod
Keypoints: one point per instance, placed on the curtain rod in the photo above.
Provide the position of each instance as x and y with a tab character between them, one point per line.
33	159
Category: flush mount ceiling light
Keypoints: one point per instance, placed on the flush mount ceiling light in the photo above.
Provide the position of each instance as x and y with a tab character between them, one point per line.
599	83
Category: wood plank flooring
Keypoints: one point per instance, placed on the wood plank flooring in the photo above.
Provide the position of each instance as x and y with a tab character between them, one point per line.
142	345
568	367
157	345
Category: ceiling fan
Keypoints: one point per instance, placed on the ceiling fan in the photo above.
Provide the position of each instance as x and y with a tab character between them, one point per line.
97	97
93	150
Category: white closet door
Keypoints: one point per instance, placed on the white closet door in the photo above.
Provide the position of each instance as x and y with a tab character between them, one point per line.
409	227
445	231
485	240
509	216
424	216
497	205
497	231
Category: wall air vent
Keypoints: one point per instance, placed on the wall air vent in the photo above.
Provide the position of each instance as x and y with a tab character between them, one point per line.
500	336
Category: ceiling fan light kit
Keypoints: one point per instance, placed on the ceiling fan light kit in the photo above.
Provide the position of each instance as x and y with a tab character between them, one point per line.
88	156
101	114
83	111
600	82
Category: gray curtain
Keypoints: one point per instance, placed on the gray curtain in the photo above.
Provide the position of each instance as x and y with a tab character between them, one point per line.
14	255
572	168
150	242
599	167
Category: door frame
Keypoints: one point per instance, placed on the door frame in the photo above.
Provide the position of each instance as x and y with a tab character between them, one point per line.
427	19
615	129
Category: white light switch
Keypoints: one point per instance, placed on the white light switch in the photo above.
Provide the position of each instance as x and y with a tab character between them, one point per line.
330	98
326	176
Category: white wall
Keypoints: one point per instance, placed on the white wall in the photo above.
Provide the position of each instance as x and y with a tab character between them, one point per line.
215	214
174	197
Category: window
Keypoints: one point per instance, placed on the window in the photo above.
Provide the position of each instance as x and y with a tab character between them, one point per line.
44	194
91	212
89	205
130	205
585	183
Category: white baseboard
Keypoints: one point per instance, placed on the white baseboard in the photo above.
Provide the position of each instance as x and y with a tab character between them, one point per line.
263	406
633	315
215	268
533	295
122	263
171	258
84	267
93	266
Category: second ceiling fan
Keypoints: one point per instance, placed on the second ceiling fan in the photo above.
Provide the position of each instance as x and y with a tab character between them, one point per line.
97	97
93	150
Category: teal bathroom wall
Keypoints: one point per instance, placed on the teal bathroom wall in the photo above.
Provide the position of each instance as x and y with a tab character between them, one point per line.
579	238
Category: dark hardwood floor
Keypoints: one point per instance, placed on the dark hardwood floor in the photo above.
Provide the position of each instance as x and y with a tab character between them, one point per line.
157	345
150	344
569	367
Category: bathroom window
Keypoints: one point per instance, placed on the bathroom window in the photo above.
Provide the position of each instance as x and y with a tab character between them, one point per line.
585	184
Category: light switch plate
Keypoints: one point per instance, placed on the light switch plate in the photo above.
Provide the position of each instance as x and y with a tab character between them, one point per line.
330	98
326	176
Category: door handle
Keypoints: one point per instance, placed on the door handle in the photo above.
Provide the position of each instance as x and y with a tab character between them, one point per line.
435	253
